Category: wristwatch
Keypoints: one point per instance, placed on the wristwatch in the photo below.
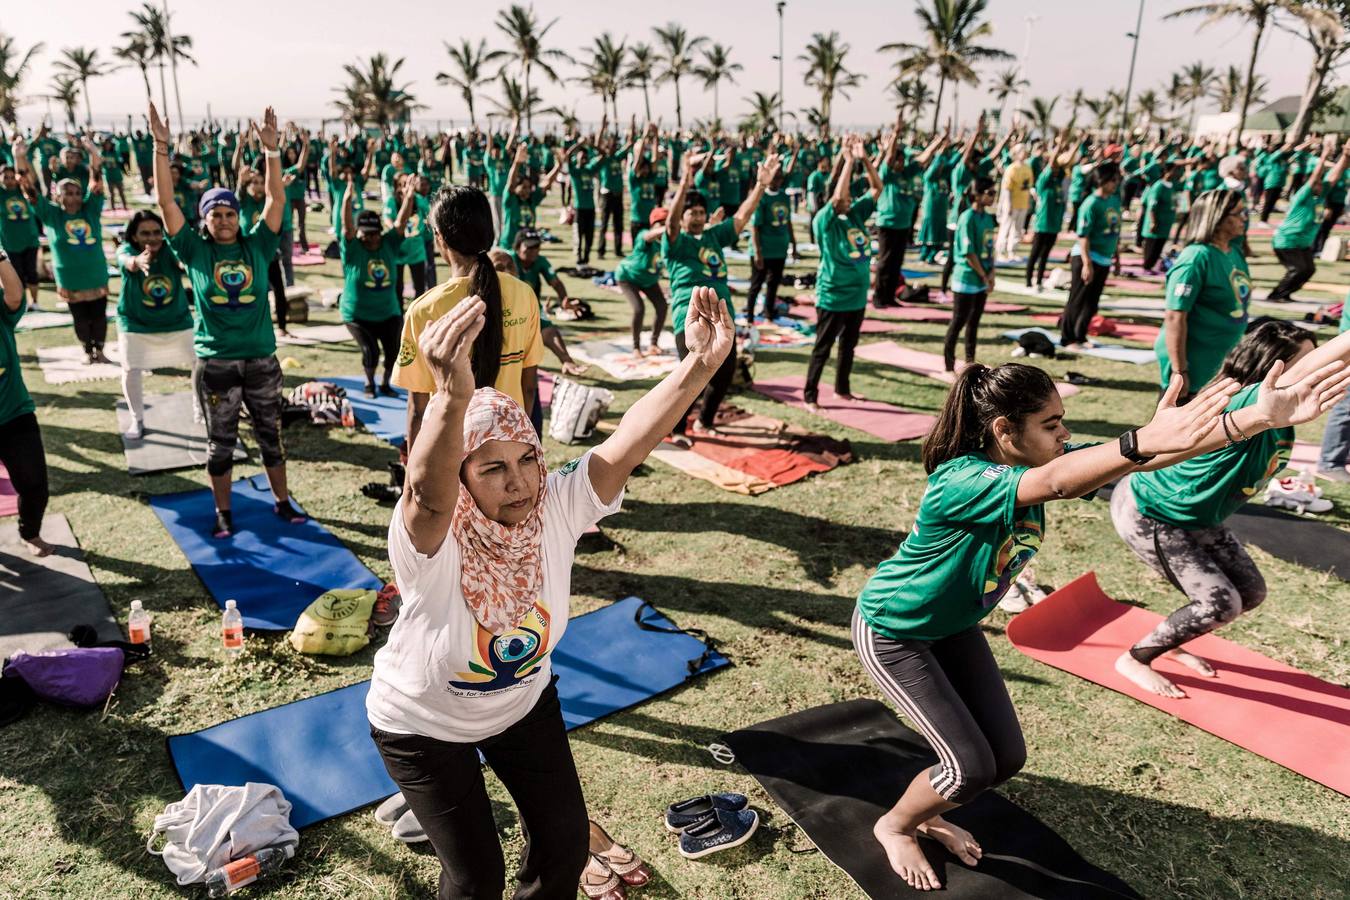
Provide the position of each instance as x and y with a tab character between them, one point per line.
1129	448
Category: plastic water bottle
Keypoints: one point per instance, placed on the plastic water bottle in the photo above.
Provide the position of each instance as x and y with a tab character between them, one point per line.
244	871
1307	481
232	629
138	624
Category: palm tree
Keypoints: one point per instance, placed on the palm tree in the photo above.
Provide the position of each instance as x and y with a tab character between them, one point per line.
814	120
1257	13
136	52
371	94
1325	31
911	95
825	71
65	89
1076	101
950	29
1197	81
153	26
82	63
677	59
1006	84
13	67
469	75
717	67
604	72
763	111
1229	87
1175	93
641	71
516	103
1149	106
1041	114
1100	109
526	37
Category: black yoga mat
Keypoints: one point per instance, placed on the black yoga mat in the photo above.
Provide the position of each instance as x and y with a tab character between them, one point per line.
835	769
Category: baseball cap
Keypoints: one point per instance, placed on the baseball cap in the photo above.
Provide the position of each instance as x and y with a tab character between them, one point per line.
368	220
217	197
658	215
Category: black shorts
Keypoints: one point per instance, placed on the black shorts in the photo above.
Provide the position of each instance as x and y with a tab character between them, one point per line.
25	263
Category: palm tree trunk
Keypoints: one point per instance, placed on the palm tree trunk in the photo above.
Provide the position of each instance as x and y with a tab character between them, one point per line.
679	111
825	98
88	110
529	107
937	103
163	92
717	115
145	76
1316	78
1251	73
646	101
473	122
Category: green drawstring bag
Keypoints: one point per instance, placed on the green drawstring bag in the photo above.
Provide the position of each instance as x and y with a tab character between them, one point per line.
336	624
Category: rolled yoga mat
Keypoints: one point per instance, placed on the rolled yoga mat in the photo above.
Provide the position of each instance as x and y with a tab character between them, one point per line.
836	769
319	752
1273	710
43	598
171	440
270	568
890	423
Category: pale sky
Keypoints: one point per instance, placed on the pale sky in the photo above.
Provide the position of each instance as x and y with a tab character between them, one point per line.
289	53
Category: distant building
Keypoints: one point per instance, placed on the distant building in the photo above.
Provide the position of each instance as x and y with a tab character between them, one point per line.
1275	118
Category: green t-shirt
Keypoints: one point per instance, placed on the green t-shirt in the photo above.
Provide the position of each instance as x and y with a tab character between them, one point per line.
18	222
1213	288
1160	211
974	235
817	185
229	290
845	255
1298	231
582	176
368	282
968	544
1049	200
612	172
707	184
900	189
697	262
76	243
152	302
14	399
1203	491
295	191
496	168
773	220
1078	184
642	266
413	249
1099	222
1274	169
517	214
535	275
642	191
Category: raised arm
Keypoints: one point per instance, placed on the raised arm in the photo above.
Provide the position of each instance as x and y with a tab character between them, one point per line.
405	209
873	176
552	175
275	206
95	166
517	161
693	162
11	286
840	198
348	197
168	208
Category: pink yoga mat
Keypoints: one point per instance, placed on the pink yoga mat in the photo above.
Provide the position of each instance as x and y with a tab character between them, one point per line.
1135	285
889	353
807	313
312	258
1267	707
890	423
1128	331
913	313
9	499
990	306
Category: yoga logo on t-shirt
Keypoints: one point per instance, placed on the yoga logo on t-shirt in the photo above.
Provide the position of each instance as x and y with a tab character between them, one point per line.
407	352
858	242
1011	559
79	233
16	210
158	290
377	274
1276	464
414	226
779	215
1242	292
504	661
232	278
1112	221
711	259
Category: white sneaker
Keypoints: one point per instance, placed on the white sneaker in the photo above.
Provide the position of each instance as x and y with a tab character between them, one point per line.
1340	475
1289	493
1015	601
136	431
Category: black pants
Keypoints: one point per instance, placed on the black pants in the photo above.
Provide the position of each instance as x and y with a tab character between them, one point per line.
1268	198
891	246
1299	266
372	336
1153	248
1083	299
419	280
768	276
1333	213
633	294
443	784
22	454
949	266
1041	245
830	327
585	234
611	216
966	312
713	394
952	691
91	323
277	281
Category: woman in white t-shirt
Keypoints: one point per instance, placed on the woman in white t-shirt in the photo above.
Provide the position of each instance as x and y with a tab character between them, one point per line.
482	543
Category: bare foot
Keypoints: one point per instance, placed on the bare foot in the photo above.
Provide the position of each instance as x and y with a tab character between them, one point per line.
908	861
38	547
1146	678
960	842
812	407
1191	661
571	368
853	398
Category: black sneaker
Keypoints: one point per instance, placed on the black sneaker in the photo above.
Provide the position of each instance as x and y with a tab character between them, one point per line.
287	512
680	816
388	390
720	831
224	525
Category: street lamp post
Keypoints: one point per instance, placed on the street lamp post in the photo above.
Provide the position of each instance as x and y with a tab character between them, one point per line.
1129	82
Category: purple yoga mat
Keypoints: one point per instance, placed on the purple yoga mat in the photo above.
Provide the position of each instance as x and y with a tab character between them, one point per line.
890	423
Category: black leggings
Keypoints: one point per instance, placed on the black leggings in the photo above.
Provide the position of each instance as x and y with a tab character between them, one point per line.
713	394
831	326
585	234
1299	266
952	691
966	313
633	294
891	246
23	456
278	284
612	217
768	276
371	336
1268	198
1041	245
1153	248
1083	299
443	784
90	318
419	280
1333	213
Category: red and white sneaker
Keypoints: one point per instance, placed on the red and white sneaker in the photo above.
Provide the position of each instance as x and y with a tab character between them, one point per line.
1290	493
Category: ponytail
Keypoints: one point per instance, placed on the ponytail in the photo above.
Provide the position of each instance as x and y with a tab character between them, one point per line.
979	396
462	219
487	347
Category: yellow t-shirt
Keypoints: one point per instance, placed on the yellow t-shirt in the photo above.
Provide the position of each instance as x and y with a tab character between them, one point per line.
1017	182
522	347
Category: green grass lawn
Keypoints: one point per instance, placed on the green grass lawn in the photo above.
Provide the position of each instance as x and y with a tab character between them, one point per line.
1173	810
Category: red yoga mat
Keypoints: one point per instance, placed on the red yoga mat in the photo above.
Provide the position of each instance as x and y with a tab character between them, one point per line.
912	313
1129	331
890	423
890	353
990	306
1273	710
9	498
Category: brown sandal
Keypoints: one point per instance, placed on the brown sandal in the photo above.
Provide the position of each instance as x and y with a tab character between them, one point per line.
598	881
621	861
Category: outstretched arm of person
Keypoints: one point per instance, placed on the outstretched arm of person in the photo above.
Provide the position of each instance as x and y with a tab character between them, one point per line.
95	167
692	163
432	487
11	286
275	206
348	224
168	207
709	333
840	199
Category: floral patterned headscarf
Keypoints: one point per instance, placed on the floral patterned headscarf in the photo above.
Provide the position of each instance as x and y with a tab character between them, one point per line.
501	566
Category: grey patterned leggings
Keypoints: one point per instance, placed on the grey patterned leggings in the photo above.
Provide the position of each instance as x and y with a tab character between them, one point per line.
1208	565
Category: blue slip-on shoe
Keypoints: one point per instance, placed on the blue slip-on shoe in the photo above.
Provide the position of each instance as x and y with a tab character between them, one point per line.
720	831
680	816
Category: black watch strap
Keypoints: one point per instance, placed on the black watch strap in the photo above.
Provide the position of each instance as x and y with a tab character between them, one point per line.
1129	448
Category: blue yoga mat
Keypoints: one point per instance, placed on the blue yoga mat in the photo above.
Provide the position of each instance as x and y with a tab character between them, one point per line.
319	752
911	274
384	417
270	568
